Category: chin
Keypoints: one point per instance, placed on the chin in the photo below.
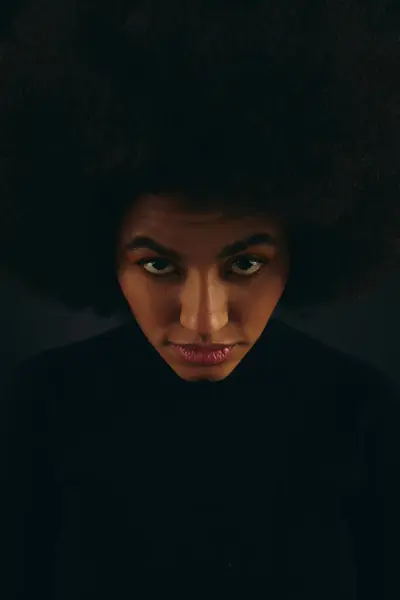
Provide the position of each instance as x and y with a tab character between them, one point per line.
202	375
204	379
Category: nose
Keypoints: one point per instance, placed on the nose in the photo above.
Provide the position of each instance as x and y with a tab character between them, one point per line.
204	304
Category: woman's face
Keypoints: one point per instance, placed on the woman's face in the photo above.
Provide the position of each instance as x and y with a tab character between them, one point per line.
200	279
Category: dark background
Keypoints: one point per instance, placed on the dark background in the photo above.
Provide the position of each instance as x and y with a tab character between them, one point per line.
368	329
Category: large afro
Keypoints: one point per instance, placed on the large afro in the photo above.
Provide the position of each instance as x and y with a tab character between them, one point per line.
291	107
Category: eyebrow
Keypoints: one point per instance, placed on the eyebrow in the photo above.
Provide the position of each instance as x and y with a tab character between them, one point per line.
257	239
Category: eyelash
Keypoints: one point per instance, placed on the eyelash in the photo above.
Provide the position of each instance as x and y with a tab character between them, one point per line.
247	257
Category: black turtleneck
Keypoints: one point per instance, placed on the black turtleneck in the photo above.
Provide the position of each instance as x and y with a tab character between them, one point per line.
123	481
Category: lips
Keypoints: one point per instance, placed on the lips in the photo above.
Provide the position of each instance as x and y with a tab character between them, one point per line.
203	355
205	348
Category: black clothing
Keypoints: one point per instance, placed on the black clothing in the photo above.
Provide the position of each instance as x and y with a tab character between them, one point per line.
124	481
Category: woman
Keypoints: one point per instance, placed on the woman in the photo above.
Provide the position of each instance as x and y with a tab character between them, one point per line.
189	167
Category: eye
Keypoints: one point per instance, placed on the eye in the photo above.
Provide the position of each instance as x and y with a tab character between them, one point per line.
157	266
243	266
246	266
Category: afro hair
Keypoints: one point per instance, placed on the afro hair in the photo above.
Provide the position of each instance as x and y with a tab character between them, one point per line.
249	105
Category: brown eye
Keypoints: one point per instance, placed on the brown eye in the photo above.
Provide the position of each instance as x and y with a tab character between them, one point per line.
245	266
157	266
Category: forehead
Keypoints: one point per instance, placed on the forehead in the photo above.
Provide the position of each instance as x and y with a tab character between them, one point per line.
170	216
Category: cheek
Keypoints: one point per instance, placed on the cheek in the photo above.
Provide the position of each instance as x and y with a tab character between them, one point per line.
267	289
134	289
258	305
145	299
264	302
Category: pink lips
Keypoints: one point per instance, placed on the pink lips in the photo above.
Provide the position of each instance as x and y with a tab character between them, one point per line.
203	355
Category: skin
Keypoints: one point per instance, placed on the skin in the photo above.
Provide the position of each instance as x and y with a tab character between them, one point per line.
199	298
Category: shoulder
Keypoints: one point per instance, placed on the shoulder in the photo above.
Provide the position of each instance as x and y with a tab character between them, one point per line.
65	379
70	366
314	359
97	351
358	387
347	388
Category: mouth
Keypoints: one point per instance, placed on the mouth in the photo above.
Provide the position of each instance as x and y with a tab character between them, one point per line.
200	355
